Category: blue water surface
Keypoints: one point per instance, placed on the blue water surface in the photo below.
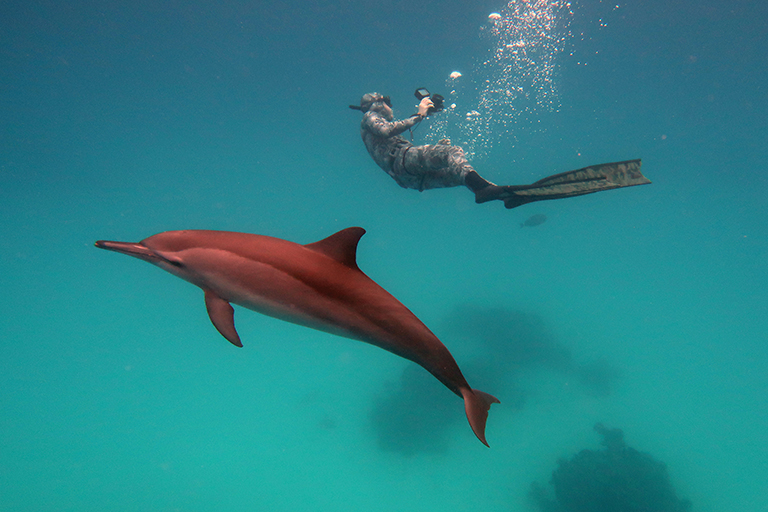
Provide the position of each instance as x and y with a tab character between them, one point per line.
644	308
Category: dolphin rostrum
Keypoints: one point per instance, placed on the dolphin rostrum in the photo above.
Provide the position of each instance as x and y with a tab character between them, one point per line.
318	285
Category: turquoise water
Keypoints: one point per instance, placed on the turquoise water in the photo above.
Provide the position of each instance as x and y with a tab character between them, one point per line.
645	308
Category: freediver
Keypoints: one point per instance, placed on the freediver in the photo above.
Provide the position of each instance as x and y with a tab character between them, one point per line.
444	165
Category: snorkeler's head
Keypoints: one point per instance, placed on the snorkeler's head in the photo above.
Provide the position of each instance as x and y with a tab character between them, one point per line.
372	101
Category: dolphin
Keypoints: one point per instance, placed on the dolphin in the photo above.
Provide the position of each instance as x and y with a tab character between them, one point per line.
318	285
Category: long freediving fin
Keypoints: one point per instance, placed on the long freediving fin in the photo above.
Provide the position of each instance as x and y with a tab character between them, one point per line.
588	180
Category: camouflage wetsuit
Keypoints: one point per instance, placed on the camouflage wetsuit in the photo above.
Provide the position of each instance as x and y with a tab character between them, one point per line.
416	167
443	165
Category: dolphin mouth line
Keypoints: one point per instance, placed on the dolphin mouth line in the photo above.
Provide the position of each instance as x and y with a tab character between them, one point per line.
132	249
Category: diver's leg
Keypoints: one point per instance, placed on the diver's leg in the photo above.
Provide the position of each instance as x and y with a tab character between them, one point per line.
443	165
484	190
435	166
455	163
475	182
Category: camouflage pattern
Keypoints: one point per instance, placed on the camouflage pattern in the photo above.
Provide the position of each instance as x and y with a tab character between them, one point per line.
433	166
414	167
443	165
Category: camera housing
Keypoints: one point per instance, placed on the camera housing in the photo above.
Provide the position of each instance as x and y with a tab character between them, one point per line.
437	100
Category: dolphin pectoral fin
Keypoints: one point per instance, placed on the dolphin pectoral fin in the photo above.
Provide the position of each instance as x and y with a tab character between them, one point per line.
222	315
477	404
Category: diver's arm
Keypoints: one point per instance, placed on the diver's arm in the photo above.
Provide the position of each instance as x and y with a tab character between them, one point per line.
380	127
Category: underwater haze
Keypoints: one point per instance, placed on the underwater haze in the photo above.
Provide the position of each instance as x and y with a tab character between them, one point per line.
644	308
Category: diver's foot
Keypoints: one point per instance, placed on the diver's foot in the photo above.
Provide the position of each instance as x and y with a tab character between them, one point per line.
514	201
502	193
484	190
489	193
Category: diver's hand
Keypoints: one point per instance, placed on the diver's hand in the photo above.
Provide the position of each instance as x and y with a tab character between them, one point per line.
424	106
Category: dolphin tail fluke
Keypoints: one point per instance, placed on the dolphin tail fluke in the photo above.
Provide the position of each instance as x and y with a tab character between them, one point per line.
477	404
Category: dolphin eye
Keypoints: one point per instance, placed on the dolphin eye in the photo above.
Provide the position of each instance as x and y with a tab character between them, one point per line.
172	260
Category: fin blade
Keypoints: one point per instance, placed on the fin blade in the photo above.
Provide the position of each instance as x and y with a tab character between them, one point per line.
222	316
476	405
341	246
587	180
618	174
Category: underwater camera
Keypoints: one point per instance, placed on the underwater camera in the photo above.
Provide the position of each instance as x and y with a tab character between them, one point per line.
437	100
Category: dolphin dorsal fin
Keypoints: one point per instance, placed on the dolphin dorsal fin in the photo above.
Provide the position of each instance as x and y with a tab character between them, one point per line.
341	246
